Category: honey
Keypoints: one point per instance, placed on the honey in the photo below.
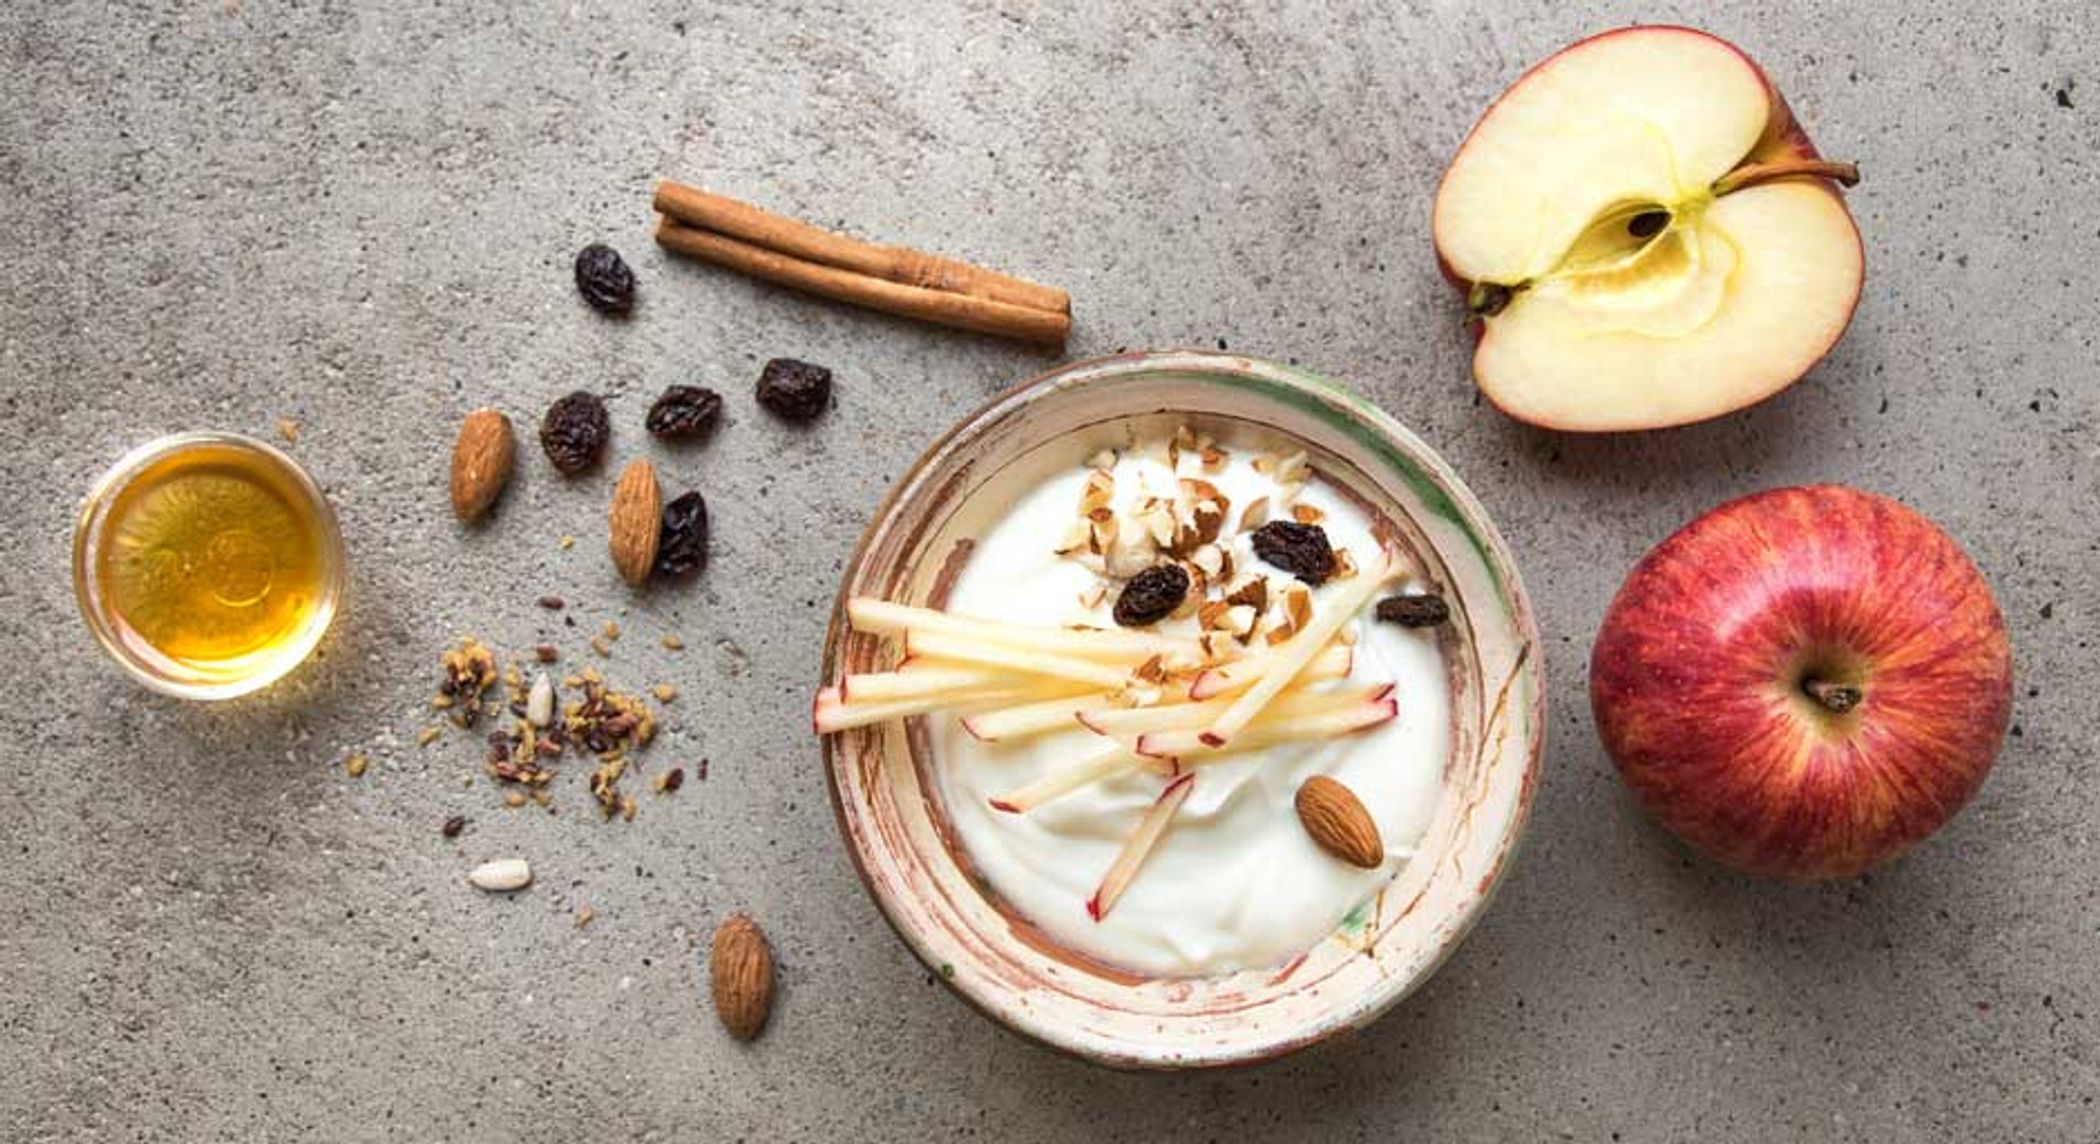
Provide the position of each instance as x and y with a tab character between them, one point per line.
208	564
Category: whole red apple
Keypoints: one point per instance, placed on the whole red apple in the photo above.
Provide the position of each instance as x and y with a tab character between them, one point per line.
1804	682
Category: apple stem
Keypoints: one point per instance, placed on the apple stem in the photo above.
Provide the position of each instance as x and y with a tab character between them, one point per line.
1837	698
1751	174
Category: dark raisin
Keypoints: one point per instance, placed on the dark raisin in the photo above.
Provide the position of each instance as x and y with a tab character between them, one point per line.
1299	549
684	411
1414	611
1152	595
794	390
453	825
574	432
673	779
604	280
682	548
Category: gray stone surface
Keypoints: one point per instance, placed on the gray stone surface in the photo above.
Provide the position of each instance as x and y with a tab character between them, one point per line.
360	217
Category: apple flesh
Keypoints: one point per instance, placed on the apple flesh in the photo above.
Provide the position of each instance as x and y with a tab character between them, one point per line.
1804	682
1646	236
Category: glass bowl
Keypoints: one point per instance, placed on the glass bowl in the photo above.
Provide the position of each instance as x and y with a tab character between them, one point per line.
242	670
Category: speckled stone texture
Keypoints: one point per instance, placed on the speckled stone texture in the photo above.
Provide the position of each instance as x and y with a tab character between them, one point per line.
361	217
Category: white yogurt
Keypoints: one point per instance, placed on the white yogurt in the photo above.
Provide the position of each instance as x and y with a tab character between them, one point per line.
1236	883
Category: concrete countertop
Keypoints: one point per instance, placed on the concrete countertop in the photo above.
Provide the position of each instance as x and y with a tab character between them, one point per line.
223	215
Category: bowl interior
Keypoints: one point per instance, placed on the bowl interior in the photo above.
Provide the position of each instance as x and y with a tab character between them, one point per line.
887	798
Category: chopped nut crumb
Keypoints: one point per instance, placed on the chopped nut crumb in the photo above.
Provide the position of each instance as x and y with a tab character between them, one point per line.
585	916
1297	605
1254	593
664	692
1307	514
673	643
288	429
568	542
355	765
427	736
469	672
599	645
514	799
612	630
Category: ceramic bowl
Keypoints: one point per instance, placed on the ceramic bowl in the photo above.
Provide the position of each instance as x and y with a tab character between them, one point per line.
888	802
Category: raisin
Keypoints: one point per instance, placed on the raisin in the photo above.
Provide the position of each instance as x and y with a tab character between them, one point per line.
574	432
1152	595
794	390
1299	549
453	825
604	280
683	545
1414	611
684	411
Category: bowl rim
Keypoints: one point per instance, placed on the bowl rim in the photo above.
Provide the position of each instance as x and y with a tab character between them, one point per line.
1209	367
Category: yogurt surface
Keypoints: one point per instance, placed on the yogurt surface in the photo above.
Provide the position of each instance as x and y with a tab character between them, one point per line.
1236	882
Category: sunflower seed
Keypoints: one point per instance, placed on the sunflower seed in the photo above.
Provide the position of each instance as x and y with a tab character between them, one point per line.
501	875
539	706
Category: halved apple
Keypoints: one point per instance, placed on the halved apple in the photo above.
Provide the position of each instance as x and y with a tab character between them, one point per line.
1646	236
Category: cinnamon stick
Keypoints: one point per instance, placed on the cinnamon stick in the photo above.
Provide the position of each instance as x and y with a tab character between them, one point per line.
697	208
962	311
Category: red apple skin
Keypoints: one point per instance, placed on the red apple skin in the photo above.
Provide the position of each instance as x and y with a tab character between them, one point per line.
1783	138
1696	681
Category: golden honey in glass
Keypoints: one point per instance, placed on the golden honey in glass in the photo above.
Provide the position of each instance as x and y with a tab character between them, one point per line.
208	564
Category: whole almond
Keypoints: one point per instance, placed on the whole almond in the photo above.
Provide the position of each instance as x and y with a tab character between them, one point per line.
1337	820
481	460
742	968
637	522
